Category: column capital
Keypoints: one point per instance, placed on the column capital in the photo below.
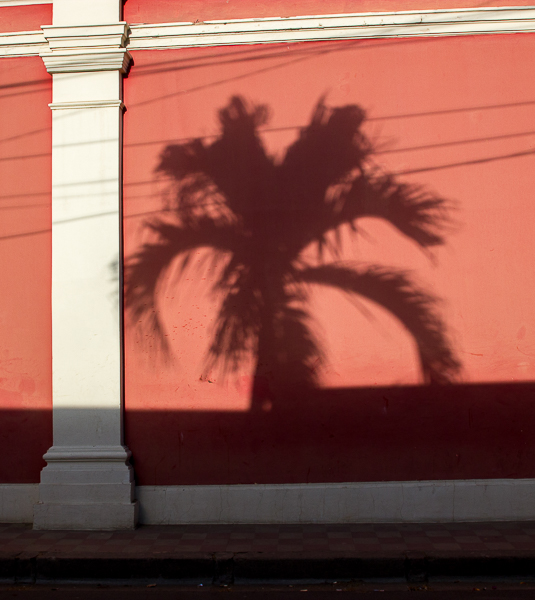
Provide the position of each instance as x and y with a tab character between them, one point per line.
82	48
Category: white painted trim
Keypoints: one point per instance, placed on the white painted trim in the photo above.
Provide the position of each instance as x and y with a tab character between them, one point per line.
394	502
105	59
387	502
109	35
16	502
23	2
333	27
257	31
87	104
22	43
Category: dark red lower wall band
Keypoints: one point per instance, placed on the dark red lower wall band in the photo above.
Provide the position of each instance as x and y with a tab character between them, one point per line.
367	434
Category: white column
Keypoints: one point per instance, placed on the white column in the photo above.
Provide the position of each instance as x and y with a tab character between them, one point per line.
88	482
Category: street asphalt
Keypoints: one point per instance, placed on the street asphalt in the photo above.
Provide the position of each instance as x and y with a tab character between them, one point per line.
465	590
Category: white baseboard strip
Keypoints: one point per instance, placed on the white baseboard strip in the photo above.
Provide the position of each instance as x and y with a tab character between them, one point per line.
409	501
386	502
16	502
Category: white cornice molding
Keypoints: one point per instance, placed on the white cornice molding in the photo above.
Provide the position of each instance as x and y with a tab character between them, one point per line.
22	43
113	37
333	27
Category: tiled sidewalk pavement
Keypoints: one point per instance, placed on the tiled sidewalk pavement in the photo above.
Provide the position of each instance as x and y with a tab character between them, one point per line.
151	541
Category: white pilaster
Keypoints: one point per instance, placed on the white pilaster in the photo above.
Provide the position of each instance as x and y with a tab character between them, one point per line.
88	482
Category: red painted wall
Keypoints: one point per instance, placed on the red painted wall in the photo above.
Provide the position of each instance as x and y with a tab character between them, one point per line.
169	11
454	115
25	268
25	18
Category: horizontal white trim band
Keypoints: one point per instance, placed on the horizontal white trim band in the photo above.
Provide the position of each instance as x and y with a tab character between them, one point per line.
333	27
295	29
22	43
408	501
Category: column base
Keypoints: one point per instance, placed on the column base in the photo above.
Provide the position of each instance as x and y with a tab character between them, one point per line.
86	488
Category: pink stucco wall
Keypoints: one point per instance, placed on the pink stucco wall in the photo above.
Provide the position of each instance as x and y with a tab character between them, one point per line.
453	115
25	18
25	268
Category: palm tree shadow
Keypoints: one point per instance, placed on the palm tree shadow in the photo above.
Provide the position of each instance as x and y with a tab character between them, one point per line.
234	198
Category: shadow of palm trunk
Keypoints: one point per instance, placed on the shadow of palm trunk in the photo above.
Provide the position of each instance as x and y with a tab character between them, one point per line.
287	354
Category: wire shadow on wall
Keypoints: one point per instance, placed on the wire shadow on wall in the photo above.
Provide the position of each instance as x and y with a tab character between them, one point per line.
261	214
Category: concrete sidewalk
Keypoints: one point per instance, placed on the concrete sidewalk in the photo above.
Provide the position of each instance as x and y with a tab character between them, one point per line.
225	554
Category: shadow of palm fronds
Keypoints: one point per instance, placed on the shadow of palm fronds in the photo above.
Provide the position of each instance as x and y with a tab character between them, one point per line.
234	198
